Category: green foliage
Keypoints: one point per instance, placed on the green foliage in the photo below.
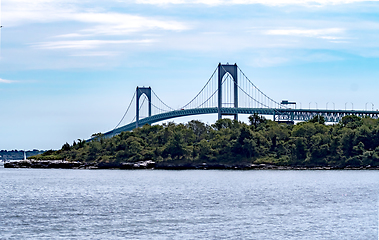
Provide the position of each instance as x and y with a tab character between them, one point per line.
255	120
66	147
317	119
48	152
352	142
96	135
351	121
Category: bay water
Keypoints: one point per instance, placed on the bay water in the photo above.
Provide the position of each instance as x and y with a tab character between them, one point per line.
190	204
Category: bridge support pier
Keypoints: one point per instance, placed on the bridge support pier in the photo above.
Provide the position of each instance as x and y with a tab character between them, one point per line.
233	71
139	92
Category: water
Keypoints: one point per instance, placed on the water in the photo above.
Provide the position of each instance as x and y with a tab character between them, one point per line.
195	204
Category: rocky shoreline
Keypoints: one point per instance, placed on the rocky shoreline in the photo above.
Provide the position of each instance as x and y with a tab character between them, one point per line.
149	164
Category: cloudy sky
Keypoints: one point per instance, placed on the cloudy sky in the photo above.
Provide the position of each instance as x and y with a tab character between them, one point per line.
69	68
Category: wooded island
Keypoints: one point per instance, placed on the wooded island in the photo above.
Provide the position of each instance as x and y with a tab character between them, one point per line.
353	142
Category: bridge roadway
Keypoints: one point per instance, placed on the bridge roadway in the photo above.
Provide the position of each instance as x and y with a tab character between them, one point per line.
280	114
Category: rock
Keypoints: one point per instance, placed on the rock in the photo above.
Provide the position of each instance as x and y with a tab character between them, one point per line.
42	164
148	164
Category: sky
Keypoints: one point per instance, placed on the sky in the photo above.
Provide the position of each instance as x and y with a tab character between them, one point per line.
69	68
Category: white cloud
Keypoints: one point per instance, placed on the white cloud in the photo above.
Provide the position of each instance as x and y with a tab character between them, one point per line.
276	57
86	44
305	32
120	24
6	81
21	12
95	54
325	33
76	31
264	2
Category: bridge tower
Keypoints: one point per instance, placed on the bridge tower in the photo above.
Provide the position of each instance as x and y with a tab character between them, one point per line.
139	92
233	71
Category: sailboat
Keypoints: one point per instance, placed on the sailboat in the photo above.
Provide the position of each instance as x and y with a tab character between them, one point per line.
3	161
24	156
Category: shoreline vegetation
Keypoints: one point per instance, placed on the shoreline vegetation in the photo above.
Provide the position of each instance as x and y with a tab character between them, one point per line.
353	143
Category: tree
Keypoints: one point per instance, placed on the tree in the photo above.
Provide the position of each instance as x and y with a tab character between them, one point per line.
175	146
351	121
198	128
97	135
222	124
300	149
66	147
205	150
317	119
255	120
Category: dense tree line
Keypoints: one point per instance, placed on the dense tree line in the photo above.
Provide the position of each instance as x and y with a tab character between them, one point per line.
18	154
354	141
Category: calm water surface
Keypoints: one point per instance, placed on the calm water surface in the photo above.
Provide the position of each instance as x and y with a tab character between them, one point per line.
195	204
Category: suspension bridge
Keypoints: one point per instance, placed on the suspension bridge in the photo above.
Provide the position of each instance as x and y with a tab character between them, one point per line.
227	92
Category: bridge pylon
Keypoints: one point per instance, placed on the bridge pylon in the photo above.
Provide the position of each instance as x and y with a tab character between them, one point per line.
139	92
233	71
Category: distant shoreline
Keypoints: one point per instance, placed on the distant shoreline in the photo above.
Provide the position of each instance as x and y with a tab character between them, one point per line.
149	164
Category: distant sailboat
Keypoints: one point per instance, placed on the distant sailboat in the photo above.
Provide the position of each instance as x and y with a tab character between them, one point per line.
24	156
2	161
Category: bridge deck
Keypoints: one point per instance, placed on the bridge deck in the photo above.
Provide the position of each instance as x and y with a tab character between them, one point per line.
278	113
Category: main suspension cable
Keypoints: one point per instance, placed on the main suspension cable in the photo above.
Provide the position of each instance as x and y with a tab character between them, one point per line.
162	101
251	96
130	104
200	90
259	89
